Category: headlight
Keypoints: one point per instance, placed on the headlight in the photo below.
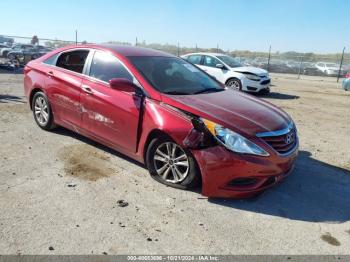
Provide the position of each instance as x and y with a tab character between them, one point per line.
252	77
233	141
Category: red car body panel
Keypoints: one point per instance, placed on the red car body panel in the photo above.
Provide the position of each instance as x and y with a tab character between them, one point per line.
218	167
111	115
246	114
125	121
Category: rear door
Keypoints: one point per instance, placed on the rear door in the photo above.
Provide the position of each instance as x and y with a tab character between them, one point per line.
109	114
63	86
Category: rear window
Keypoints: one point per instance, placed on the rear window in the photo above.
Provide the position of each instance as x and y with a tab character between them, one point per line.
51	60
73	61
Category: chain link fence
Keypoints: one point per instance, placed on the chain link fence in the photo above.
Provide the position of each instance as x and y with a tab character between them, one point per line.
296	64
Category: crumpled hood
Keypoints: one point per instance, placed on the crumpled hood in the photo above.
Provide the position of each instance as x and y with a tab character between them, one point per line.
251	69
240	112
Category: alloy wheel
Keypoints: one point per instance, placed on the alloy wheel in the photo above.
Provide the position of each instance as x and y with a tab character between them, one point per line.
234	84
171	162
41	111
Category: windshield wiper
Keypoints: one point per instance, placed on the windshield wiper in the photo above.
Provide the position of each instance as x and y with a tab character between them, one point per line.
176	93
209	90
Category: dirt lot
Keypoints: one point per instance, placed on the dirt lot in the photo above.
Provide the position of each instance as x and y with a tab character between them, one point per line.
60	190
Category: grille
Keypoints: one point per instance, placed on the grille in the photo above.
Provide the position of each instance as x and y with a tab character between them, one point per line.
265	82
283	144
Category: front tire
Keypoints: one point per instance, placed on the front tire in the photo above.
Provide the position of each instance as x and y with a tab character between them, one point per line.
42	111
265	92
234	83
170	164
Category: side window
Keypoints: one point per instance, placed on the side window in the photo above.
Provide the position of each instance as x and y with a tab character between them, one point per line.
73	61
105	67
51	60
210	61
195	59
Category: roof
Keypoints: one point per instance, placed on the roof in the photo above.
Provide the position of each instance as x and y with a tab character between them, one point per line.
127	50
206	53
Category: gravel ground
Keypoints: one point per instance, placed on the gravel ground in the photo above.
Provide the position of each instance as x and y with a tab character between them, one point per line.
59	191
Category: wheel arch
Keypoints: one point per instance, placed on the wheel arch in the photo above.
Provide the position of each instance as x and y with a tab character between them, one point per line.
153	134
31	95
232	77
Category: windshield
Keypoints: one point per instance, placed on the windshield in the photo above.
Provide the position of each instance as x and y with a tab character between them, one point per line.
171	75
230	61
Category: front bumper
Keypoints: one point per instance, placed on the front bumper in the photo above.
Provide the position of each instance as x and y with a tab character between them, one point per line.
256	86
221	169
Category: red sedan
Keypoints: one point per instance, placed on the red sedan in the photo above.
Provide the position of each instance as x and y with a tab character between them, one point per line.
166	113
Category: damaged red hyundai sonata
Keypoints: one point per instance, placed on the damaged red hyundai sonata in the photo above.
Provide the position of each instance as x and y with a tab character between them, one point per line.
166	113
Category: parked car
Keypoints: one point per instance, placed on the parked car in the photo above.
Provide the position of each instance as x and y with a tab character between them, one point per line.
163	111
230	72
330	69
312	70
280	66
17	47
260	62
28	52
3	46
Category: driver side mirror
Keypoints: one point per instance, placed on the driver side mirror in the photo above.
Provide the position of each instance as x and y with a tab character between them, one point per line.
123	84
220	66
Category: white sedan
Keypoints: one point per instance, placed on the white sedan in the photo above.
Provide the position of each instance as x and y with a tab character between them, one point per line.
331	69
230	72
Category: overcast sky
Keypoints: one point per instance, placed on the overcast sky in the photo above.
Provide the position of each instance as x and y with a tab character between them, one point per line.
301	25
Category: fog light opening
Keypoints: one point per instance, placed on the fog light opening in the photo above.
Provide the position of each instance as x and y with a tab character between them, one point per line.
243	182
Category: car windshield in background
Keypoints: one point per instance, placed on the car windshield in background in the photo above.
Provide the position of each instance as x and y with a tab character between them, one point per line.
230	61
171	75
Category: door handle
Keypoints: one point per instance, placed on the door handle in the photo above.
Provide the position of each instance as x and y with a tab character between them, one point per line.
50	73
87	89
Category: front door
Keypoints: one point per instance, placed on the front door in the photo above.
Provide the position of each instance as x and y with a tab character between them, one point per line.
209	65
109	114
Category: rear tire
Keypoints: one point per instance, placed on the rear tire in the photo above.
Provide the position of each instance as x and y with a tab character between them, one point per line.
170	164
42	111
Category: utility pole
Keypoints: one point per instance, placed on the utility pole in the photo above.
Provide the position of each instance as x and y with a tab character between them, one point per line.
136	41
76	37
196	48
341	64
301	62
217	48
178	49
268	60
